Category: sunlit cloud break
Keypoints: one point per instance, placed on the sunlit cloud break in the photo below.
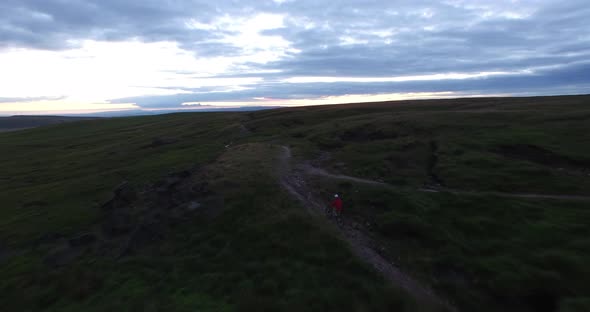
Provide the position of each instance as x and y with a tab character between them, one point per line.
446	76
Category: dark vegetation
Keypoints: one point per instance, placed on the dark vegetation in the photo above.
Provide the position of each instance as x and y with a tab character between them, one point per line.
23	122
183	211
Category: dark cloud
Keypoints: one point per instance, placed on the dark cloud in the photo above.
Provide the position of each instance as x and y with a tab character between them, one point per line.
547	42
54	24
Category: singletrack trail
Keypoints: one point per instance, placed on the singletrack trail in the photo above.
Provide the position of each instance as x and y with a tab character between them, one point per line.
293	179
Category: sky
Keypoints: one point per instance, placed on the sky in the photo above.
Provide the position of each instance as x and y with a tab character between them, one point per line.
82	56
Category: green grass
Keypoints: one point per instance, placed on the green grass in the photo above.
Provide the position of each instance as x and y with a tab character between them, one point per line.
262	252
259	250
507	254
55	178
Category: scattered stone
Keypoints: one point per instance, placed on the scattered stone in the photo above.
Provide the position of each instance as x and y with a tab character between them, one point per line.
193	206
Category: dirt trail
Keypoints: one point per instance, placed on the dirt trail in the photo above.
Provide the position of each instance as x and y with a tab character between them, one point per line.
317	171
293	180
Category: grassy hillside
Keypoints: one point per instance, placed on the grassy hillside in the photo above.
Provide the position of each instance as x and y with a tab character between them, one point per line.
185	211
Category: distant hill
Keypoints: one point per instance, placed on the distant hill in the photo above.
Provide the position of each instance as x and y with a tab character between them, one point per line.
19	122
201	109
23	122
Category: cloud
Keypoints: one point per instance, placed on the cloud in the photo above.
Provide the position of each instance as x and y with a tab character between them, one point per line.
162	53
29	99
563	80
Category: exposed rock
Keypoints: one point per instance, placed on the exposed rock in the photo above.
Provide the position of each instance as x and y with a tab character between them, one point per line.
116	224
172	180
82	240
141	236
132	219
61	256
159	141
124	195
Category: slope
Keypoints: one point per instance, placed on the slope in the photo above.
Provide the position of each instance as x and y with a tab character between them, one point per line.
186	211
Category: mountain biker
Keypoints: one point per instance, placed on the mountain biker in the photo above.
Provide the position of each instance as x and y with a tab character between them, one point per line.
337	205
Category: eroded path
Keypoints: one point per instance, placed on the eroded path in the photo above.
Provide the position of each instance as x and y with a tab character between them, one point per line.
293	179
321	172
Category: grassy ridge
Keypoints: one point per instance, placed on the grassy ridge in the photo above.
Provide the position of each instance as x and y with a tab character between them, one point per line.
14	123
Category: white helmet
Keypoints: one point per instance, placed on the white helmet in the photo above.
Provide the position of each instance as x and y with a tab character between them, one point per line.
336	195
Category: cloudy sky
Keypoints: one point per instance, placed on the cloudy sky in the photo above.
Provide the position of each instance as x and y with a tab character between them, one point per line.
62	56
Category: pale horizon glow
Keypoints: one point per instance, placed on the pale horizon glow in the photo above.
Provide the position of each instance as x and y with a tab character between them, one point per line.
61	107
340	99
443	76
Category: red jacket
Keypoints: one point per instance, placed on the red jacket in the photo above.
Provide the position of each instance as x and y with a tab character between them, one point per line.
337	204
